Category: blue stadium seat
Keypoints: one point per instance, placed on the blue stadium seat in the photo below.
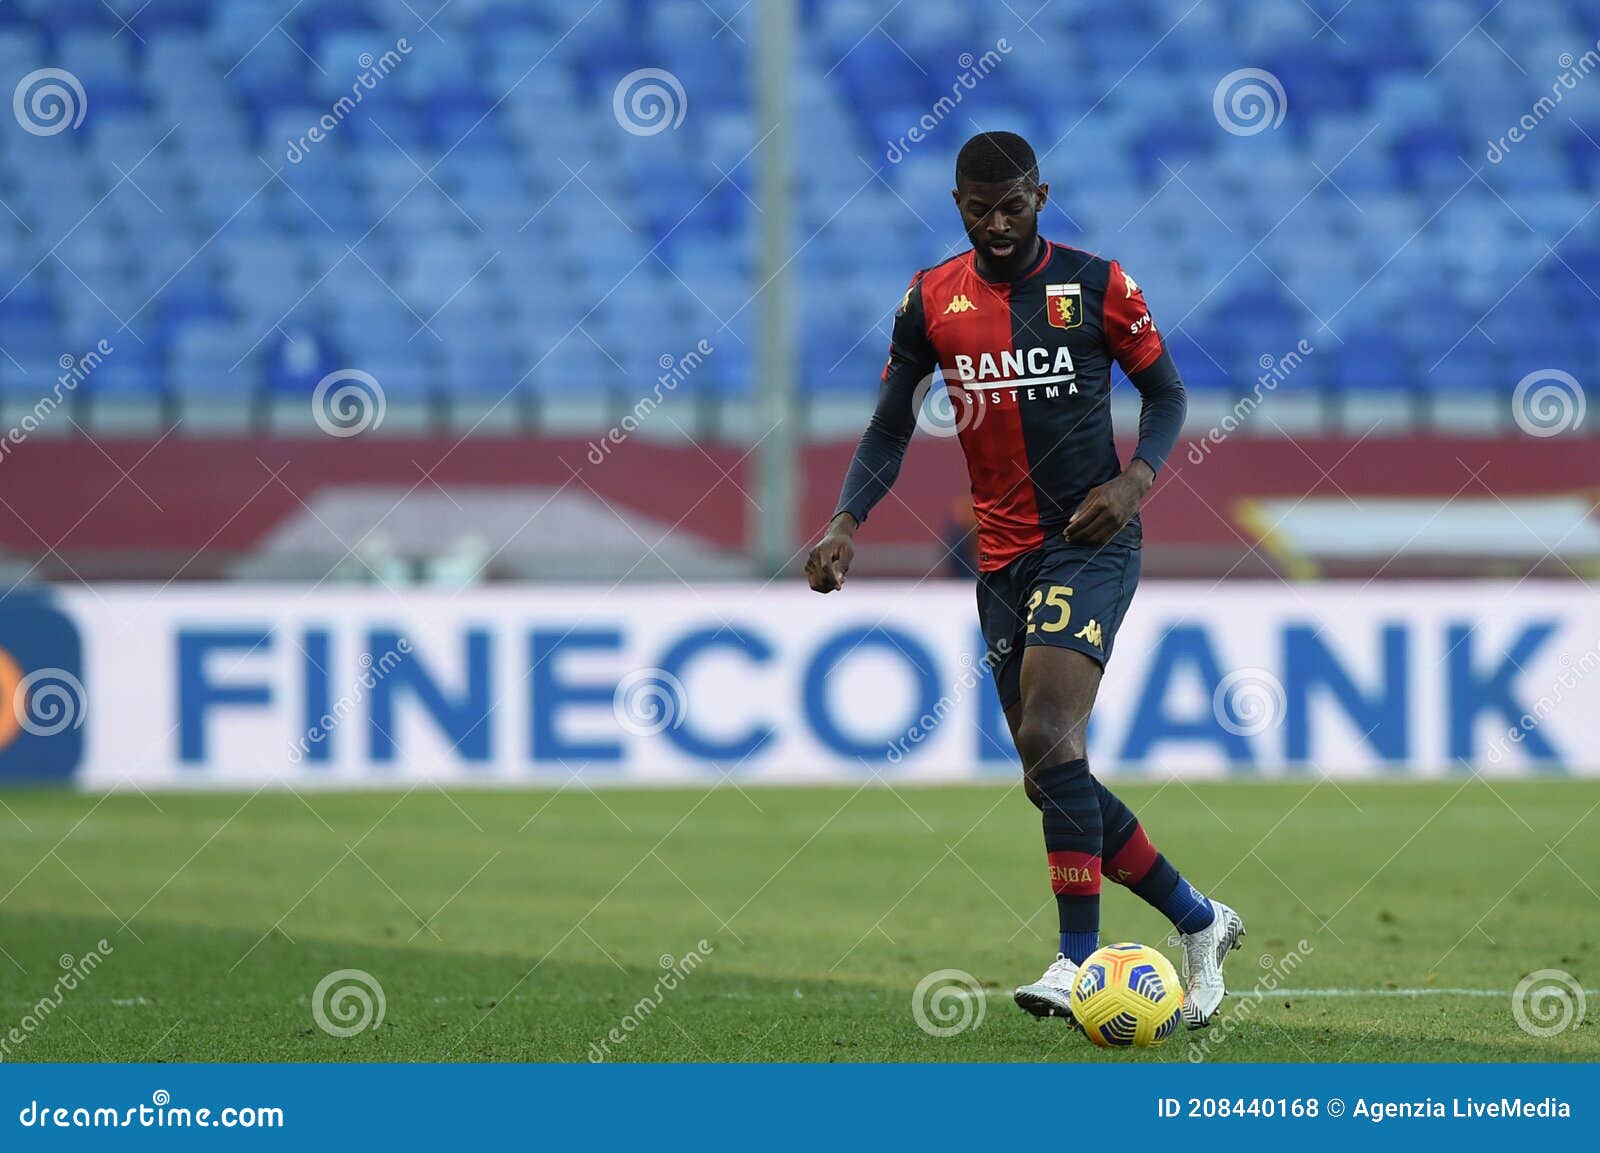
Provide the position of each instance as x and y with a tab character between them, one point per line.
495	138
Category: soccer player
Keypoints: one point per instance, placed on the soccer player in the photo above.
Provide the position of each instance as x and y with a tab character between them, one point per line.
1024	331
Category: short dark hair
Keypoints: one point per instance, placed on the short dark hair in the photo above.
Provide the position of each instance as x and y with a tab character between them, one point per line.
997	158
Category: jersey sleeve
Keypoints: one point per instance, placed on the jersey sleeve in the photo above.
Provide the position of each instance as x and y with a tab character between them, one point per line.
1130	330
1139	349
883	445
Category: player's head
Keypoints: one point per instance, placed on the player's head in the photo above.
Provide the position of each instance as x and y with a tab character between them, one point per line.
999	195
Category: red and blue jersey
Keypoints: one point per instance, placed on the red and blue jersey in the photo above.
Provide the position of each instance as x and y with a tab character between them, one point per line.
1027	365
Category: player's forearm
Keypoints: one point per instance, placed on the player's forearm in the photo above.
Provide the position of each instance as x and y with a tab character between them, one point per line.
1162	409
872	472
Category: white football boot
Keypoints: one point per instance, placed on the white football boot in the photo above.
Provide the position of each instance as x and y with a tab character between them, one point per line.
1203	954
1050	995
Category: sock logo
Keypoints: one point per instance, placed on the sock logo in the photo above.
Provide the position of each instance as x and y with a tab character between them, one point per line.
1074	872
1061	875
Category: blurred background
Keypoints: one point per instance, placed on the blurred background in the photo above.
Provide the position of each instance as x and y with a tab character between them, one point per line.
401	294
517	219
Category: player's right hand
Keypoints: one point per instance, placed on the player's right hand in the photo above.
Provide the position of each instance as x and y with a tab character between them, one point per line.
830	559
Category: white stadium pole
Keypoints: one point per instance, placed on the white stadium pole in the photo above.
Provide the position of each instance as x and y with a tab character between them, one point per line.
777	423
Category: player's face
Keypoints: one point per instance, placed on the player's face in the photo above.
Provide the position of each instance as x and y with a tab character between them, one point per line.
1002	221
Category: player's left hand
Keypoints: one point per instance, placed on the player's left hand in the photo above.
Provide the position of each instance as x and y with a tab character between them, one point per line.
1109	506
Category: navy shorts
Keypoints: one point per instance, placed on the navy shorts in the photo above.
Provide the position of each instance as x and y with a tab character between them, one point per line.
1069	596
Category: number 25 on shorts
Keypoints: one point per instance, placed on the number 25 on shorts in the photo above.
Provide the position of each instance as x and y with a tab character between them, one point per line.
1055	597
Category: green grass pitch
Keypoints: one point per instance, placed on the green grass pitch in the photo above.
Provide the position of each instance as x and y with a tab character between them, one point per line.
517	926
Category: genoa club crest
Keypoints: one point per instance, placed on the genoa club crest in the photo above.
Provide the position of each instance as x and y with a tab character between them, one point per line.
1064	305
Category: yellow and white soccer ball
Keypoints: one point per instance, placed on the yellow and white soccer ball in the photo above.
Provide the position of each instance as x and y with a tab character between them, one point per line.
1126	995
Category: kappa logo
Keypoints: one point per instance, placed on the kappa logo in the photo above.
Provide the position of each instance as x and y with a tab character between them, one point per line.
1091	633
1129	287
960	304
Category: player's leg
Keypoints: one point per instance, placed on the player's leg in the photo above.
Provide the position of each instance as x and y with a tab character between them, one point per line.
1207	929
1132	861
1058	687
1058	692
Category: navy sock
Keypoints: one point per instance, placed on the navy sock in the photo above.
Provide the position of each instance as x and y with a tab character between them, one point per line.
1072	833
1186	907
1078	946
1132	860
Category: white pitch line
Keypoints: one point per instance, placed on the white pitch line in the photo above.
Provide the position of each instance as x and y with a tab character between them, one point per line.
122	1002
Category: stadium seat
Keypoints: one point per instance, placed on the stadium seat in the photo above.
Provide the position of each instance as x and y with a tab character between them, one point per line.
482	197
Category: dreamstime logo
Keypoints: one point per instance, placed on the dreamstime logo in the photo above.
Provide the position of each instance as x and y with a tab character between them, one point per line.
1248	702
940	414
1275	370
676	970
48	101
675	370
1239	1010
1573	69
347	402
1548	402
1573	671
49	701
971	672
649	101
373	69
372	671
947	1002
348	1001
74	371
75	970
973	69
1249	101
1547	1002
650	701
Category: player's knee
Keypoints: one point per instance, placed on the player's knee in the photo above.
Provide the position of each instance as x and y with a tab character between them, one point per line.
1044	741
1033	793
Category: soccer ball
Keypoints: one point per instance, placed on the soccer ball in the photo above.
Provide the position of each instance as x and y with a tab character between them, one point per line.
1127	994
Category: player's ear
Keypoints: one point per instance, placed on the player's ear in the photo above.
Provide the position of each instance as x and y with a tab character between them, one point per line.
1041	193
955	194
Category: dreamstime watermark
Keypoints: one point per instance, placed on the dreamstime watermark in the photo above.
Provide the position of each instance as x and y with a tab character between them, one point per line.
1239	1010
939	412
1548	402
1249	101
373	69
947	1002
160	1113
675	370
1573	69
76	970
347	1002
650	701
74	371
1274	371
1548	1001
971	673
1573	671
1248	702
49	701
677	971
347	402
649	101
973	69
49	100
372	671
